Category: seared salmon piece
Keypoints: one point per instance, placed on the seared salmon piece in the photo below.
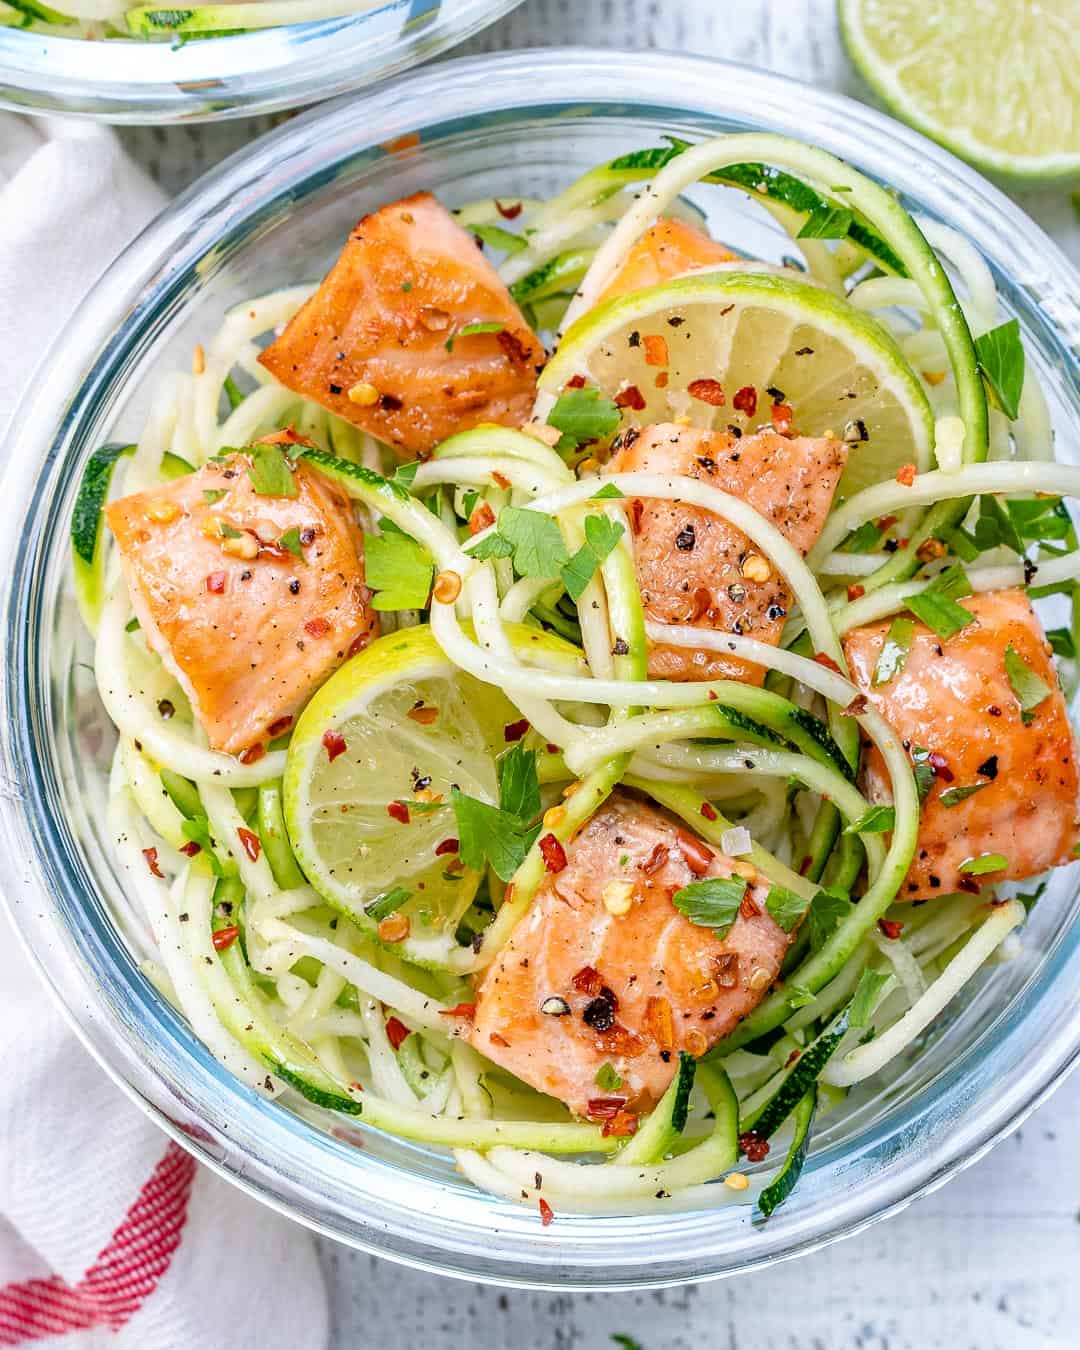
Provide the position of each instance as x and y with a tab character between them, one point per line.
693	567
577	987
249	629
372	342
954	700
668	249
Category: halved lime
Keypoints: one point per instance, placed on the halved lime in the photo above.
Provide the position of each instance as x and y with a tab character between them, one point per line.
791	342
367	783
997	82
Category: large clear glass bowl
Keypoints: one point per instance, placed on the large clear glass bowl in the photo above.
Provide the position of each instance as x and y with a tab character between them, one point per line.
262	71
522	123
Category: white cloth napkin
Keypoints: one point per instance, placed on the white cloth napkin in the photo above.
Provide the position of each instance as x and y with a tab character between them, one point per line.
109	1233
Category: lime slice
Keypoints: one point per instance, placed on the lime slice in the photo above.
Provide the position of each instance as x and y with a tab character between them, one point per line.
411	725
996	82
837	368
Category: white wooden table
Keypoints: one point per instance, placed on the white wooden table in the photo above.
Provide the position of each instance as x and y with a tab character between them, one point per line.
990	1262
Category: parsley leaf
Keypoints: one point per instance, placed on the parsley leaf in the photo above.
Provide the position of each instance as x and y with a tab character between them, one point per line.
894	651
1061	640
826	222
996	526
601	536
399	570
212	495
711	904
875	821
1000	354
1030	690
290	541
924	772
609	490
404	476
937	607
469	330
827	912
519	787
954	796
797	996
984	863
871	982
493	545
270	472
487	832
786	907
536	540
582	416
607	1079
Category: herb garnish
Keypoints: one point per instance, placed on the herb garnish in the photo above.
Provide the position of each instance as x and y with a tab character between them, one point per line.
713	903
1000	354
496	237
290	541
502	834
786	907
1030	690
582	415
270	472
875	821
984	863
469	330
828	910
954	796
399	570
607	1079
601	536
894	651
937	607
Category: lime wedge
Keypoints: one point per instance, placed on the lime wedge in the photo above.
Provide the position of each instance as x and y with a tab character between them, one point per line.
839	370
996	82
367	783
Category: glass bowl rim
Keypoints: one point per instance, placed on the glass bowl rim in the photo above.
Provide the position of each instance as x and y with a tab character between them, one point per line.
263	1149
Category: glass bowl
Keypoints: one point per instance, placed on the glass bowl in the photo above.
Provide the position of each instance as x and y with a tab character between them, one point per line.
521	123
263	71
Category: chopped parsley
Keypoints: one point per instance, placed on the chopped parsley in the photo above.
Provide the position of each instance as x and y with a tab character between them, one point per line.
404	476
608	491
713	903
1030	690
937	607
290	541
954	796
470	330
386	904
982	864
1000	354
797	996
502	834
894	650
535	541
270	472
863	540
1061	640
786	907
212	495
582	415
601	536
923	770
607	1079
828	911
875	821
996	526
399	570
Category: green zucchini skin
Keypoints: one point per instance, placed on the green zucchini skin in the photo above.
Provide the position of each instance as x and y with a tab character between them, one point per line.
86	520
667	1120
802	1078
785	1181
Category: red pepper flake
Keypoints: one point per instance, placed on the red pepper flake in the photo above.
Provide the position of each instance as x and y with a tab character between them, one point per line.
656	350
287	436
459	1010
496	1039
333	744
150	854
317	627
707	391
513	731
553	853
280	725
482	518
906	475
215	583
824	659
510	212
576	382
500	479
891	928
604	1108
551	748
854	592
588	981
753	1146
804	866
361	640
781	415
398	811
546	1212
661	380
447	846
637	507
745	400
191	848
749	907
225	937
940	766
857	706
658	1021
656	859
253	753
396	1032
886	522
251	842
424	715
630	397
695	854
708	810
618	1040
620	1126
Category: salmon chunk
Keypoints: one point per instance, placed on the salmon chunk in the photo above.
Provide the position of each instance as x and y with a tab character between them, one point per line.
382	342
667	250
577	987
248	628
693	567
953	698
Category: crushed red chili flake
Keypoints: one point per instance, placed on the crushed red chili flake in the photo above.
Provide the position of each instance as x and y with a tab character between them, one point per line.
253	753
857	706
282	724
753	1146
707	391
745	400
656	350
782	416
317	627
553	853
225	937
398	811
446	846
695	854
500	479
190	848
360	641
656	859
334	744
804	866
619	1040
551	748
891	928
630	397
287	436
215	583
459	1010
396	1032
748	906
604	1108
588	981
855	591
576	382
637	506
150	854
424	716
251	842
824	659
659	1022
510	212
482	518
708	810
620	1126
886	522
496	1039
906	475
546	1212
513	731
940	766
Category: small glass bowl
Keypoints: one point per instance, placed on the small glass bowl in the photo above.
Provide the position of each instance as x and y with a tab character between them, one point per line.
523	123
142	82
